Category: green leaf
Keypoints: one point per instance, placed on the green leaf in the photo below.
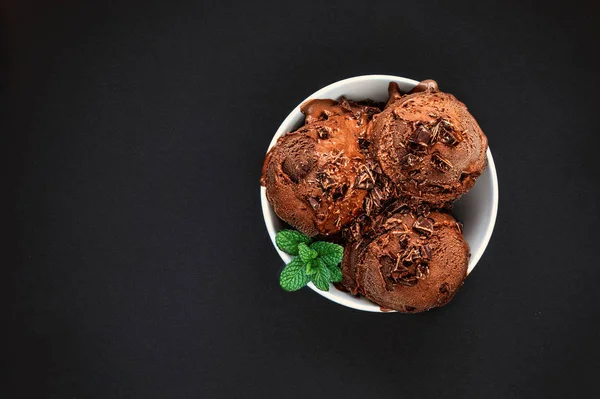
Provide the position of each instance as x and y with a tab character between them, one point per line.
293	276
330	253
331	260
305	253
309	268
322	276
336	274
288	240
324	248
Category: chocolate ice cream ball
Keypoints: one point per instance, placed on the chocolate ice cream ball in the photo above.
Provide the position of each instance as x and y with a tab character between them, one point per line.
428	144
316	178
408	263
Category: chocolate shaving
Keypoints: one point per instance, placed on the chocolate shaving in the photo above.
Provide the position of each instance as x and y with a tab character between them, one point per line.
314	202
345	104
355	231
368	205
336	155
373	166
409	282
370	111
424	225
419	142
423	135
422	271
411	255
416	148
376	196
386	190
409	161
441	163
423	209
399	206
436	188
399	272
323	133
399	269
395	223
364	181
425	252
325	181
448	133
339	192
459	226
411	264
403	241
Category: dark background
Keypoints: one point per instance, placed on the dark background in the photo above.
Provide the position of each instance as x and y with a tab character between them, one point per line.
136	262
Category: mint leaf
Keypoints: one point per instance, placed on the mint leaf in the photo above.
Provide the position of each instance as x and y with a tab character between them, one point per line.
305	253
331	260
330	253
321	276
336	274
328	248
293	276
317	262
288	240
309	268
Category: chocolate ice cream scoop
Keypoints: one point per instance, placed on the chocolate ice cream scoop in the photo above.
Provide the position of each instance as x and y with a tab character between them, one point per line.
316	177
408	263
428	144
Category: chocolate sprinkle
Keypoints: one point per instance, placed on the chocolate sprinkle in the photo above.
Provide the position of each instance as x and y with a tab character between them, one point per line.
314	202
422	271
422	135
364	181
425	252
448	134
424	225
409	161
339	192
416	148
323	133
441	163
325	180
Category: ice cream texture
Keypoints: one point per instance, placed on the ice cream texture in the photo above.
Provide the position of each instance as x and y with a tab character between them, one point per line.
428	144
316	177
409	263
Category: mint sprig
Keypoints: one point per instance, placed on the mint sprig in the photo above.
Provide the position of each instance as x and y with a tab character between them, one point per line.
317	262
306	253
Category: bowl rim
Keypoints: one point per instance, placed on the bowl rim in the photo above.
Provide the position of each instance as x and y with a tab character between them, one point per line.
266	206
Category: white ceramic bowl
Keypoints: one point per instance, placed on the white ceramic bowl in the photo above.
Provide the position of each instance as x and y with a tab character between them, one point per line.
476	210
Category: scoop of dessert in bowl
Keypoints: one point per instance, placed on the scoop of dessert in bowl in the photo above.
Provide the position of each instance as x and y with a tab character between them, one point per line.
396	171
